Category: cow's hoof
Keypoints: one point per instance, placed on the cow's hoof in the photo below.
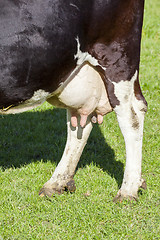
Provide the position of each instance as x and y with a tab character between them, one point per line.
143	184
50	192
124	195
70	186
120	198
51	189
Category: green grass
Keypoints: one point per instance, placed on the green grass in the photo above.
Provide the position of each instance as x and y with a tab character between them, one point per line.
32	143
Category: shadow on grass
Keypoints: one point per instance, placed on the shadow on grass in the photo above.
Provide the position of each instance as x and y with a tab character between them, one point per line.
34	136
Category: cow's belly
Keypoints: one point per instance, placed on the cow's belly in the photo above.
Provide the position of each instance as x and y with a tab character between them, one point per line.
84	94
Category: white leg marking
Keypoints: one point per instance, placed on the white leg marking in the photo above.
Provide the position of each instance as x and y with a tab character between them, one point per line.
130	118
76	141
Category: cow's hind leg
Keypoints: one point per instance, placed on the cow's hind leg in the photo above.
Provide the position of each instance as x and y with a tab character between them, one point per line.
62	177
130	114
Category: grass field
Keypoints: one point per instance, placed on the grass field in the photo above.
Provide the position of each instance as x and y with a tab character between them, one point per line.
32	143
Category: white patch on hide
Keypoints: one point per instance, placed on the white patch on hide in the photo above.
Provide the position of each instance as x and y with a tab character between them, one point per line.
124	91
124	88
39	97
85	57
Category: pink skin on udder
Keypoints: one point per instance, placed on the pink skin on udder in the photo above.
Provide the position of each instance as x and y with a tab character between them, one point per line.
83	119
74	120
100	119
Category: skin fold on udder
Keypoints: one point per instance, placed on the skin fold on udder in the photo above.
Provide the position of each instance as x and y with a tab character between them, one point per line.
84	95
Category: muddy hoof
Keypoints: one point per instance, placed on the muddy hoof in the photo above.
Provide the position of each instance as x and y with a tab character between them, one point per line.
49	192
120	198
50	189
71	186
144	185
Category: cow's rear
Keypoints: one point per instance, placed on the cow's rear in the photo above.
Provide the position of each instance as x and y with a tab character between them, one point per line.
79	55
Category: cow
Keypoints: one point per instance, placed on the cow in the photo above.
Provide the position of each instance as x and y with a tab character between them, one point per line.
83	56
